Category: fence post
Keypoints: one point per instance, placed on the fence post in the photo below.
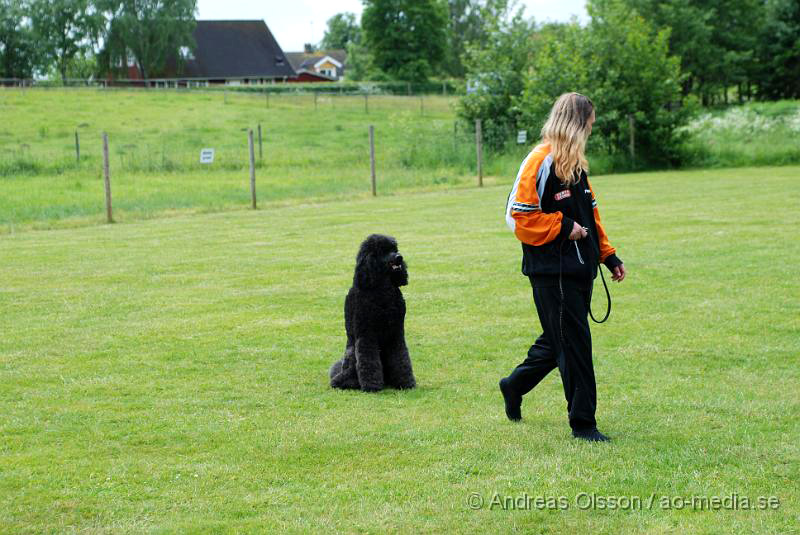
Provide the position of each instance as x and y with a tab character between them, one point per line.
224	96
421	105
77	148
632	145
315	101
479	149
107	179
260	150
252	167
366	102
266	93
372	159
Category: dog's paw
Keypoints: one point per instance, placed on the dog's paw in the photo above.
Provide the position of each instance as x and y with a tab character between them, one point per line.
344	385
371	388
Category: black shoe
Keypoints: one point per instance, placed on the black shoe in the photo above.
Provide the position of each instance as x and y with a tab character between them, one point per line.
512	399
590	435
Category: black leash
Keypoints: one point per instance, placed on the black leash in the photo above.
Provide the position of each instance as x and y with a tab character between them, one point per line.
561	293
591	288
608	297
605	286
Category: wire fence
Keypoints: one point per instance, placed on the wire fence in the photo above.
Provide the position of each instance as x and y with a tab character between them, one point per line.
56	151
304	146
342	87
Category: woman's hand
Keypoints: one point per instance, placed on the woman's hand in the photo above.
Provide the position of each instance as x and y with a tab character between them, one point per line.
618	273
577	233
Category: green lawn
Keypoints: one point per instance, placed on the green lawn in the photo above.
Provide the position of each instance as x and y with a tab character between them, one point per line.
155	139
311	152
169	375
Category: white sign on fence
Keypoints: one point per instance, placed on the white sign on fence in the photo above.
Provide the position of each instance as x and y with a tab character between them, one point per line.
522	137
207	156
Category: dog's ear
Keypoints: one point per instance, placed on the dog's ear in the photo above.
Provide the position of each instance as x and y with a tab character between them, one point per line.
366	275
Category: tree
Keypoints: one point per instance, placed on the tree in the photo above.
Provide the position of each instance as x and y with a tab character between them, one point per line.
623	64
736	26
149	31
469	23
779	51
714	40
343	29
496	67
19	57
560	65
64	29
690	39
81	67
632	74
360	65
405	37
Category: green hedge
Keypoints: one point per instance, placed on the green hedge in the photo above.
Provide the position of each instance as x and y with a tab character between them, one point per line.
377	88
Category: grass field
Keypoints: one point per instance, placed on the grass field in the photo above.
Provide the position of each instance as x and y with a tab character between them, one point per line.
169	375
314	149
156	136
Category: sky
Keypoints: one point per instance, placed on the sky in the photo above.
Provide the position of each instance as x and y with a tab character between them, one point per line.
294	22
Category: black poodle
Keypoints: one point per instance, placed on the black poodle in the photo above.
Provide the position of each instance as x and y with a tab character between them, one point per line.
376	354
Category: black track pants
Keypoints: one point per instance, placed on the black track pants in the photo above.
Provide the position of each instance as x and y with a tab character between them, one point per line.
566	344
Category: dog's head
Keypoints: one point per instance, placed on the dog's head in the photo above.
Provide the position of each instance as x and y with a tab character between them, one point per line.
379	264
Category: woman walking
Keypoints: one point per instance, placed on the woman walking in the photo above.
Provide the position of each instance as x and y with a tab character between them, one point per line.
553	212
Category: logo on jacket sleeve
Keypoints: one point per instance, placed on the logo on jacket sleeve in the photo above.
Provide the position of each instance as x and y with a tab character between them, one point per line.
563	195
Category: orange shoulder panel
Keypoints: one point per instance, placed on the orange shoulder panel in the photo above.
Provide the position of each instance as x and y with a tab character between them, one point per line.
532	226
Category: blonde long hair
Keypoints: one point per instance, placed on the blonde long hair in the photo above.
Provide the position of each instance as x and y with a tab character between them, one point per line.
566	130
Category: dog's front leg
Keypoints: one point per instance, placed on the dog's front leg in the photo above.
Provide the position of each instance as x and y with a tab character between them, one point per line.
368	365
397	365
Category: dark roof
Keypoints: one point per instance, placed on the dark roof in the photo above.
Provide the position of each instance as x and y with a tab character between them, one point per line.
304	60
236	49
315	75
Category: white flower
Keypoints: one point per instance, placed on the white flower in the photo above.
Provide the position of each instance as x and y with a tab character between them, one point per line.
793	121
740	120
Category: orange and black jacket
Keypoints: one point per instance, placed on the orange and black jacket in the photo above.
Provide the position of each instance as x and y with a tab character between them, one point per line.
541	211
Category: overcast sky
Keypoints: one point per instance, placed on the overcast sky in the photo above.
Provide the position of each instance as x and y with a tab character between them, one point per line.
294	22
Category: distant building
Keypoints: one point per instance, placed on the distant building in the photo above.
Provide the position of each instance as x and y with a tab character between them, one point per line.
322	65
241	52
232	52
236	52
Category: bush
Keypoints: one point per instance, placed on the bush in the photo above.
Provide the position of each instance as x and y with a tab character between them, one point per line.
624	66
496	76
352	88
560	66
619	61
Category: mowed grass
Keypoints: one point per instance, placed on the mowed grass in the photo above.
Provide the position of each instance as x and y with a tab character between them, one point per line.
155	138
170	375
